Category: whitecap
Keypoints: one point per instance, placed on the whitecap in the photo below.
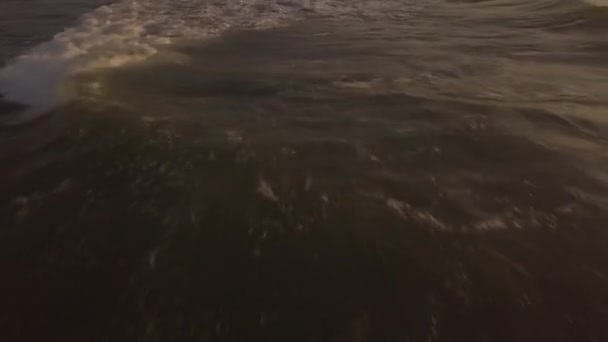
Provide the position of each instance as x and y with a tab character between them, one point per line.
125	32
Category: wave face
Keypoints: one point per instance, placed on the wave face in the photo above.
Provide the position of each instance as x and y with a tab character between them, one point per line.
133	30
599	3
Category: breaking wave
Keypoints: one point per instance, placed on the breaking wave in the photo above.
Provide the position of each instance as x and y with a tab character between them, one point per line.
122	33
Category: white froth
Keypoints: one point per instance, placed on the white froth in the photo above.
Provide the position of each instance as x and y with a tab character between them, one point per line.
103	38
122	33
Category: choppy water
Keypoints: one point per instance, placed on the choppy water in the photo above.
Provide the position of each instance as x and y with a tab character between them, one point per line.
325	170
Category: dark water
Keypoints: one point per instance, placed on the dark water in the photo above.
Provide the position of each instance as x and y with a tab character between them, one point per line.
324	171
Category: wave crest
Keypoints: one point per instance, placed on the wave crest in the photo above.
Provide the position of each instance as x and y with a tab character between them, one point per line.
122	33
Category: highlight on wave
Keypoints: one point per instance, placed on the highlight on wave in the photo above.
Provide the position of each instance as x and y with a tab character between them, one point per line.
122	33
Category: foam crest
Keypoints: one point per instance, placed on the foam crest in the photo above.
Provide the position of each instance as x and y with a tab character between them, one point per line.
122	33
102	38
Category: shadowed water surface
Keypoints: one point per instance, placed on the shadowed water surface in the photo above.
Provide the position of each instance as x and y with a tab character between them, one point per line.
386	171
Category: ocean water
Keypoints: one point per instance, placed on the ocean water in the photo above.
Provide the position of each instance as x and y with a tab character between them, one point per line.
310	170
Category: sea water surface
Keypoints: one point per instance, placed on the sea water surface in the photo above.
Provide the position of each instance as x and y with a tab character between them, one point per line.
321	170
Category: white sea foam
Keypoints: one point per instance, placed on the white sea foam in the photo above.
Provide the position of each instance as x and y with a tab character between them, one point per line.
122	33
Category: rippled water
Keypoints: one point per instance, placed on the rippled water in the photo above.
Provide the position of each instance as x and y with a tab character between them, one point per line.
325	170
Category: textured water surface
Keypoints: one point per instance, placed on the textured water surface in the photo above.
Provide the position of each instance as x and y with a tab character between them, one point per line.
326	170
